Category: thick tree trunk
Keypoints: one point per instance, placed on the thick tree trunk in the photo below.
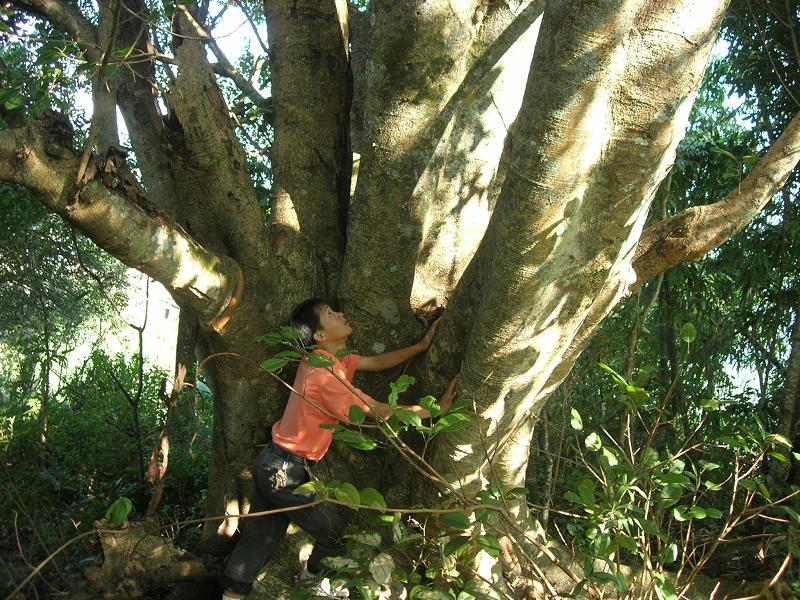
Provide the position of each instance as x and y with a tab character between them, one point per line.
597	133
551	164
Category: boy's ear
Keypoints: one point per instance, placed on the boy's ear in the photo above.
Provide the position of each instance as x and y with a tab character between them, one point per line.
319	336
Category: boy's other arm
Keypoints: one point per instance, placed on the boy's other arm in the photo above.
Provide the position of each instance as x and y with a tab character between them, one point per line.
381	411
387	360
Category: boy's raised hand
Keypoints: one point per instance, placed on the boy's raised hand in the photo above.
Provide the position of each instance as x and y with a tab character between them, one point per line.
449	396
425	342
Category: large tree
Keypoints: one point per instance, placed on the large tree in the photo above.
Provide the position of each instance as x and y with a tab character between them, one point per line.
509	153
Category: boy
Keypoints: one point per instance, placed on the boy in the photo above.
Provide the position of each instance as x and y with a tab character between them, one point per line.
298	442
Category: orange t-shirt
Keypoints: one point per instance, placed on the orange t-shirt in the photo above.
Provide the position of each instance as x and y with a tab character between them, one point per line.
299	430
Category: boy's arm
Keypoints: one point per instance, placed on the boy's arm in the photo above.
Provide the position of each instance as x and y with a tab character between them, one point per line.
387	360
381	411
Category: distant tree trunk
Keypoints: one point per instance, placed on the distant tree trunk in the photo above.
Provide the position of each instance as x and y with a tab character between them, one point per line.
790	407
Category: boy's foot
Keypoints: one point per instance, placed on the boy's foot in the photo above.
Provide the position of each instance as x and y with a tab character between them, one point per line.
321	586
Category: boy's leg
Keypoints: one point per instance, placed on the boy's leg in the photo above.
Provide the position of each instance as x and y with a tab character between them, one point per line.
321	522
260	538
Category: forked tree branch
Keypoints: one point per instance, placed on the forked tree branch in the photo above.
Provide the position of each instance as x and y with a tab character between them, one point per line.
107	207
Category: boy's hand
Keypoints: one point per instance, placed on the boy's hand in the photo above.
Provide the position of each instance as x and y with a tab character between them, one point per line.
449	396
425	342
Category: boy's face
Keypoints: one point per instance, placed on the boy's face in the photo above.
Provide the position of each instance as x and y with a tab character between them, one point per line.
333	325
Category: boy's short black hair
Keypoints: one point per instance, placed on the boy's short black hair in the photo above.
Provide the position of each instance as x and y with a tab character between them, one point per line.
305	319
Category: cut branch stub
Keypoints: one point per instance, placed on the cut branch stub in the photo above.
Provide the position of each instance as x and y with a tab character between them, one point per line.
109	208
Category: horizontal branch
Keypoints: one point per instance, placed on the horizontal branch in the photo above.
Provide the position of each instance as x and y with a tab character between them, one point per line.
692	233
107	206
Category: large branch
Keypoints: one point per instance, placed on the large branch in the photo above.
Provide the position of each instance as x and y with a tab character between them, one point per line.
692	233
67	18
105	208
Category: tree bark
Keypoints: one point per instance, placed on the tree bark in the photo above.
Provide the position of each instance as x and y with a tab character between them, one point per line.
562	238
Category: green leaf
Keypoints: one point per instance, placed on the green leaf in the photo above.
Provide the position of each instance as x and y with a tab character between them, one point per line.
592	442
456	545
792	513
775	439
668	554
355	439
372	497
408	417
490	544
14	101
310	487
698	512
273	364
688	333
627	542
680	514
289	354
347	492
404	382
381	568
779	456
664	588
452	422
518	492
270	338
368	538
707	466
119	510
482	514
429	404
712	486
619	379
320	361
341	563
650	457
586	492
671	493
575	420
638	395
713	513
290	334
675	478
356	415
610	457
455	520
420	592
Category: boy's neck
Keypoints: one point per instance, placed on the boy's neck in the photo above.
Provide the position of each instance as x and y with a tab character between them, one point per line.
334	346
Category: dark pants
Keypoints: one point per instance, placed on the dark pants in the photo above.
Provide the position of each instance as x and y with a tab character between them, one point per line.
276	477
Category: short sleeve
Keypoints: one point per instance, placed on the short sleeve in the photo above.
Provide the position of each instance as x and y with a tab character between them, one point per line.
337	397
350	363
